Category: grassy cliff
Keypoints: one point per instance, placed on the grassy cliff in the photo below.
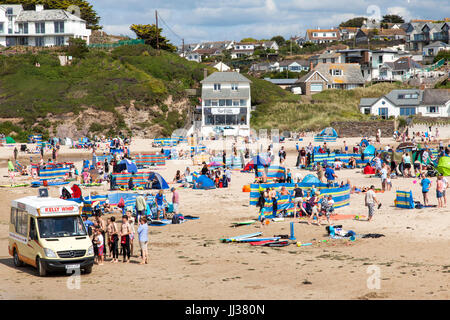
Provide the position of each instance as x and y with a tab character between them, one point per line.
102	80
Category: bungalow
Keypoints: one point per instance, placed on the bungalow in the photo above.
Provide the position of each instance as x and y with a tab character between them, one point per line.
390	34
400	70
242	49
343	76
408	102
348	33
294	65
322	36
431	50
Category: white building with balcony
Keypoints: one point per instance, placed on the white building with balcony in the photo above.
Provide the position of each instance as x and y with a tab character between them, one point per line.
226	104
39	27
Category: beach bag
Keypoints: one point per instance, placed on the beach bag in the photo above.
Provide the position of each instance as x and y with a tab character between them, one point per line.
121	203
177	219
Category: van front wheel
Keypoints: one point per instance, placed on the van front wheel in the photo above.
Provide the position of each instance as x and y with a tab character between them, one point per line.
17	261
88	270
40	267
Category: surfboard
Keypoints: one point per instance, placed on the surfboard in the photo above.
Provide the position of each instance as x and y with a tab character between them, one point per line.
160	223
260	243
14	185
243	223
277	244
258	239
191	218
245	236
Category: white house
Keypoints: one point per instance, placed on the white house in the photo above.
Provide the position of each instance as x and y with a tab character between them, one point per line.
242	49
428	102
39	27
226	103
400	70
322	35
433	49
293	65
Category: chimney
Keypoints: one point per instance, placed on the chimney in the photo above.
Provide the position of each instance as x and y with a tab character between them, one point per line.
310	65
39	7
205	73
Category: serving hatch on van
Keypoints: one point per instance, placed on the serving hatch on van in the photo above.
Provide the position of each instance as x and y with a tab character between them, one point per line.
49	234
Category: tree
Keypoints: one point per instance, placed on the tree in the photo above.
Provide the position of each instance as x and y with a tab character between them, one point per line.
392	18
443	54
77	48
279	40
353	23
151	34
249	40
87	12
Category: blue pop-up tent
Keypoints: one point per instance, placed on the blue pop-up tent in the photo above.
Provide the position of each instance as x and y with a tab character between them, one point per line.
131	167
158	181
203	182
369	150
310	178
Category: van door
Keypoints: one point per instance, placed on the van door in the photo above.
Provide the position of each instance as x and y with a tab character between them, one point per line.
33	242
24	248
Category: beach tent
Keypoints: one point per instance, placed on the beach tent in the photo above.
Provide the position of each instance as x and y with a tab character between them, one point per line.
329	132
364	143
369	150
10	140
310	178
203	182
444	166
159	182
131	167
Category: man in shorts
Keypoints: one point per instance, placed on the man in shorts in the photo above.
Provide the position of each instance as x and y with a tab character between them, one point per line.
175	200
298	199
370	202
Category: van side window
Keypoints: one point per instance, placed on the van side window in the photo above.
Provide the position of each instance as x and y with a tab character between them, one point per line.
22	222
13	217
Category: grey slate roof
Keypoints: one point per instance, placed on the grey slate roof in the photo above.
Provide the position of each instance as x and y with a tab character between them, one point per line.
437	44
436	96
220	77
46	15
351	73
394	94
405	63
242	93
367	102
282	81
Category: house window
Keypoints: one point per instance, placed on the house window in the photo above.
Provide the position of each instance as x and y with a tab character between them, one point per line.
332	60
39	42
59	41
1	27
380	59
366	110
216	86
229	102
207	103
9	11
214	103
315	34
234	86
59	26
23	28
334	34
383	112
336	72
407	111
235	103
324	60
324	35
243	102
40	27
432	109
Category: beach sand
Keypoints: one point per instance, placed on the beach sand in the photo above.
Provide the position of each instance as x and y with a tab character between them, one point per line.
188	261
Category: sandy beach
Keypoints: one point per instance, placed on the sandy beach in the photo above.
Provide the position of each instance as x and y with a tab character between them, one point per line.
188	261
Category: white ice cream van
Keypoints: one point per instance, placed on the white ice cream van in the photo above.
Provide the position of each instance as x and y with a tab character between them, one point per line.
49	234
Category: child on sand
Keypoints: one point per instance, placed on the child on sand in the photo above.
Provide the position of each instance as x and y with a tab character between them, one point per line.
314	213
100	245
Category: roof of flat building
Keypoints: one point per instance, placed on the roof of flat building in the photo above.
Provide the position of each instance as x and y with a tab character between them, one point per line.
225	77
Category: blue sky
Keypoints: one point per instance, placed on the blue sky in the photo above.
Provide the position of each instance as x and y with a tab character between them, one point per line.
203	20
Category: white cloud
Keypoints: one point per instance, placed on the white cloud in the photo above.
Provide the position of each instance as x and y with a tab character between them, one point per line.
401	11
